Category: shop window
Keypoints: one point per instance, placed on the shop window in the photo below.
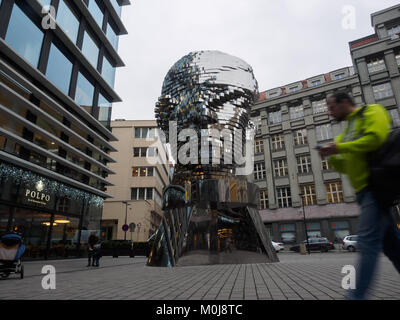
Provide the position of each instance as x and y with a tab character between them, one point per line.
288	233
313	229
341	229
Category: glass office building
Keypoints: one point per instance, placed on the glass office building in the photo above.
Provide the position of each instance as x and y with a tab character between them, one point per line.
57	71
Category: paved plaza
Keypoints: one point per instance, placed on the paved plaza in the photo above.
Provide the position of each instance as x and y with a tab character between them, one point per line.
296	277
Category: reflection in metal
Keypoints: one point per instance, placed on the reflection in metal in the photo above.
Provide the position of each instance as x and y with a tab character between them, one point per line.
210	214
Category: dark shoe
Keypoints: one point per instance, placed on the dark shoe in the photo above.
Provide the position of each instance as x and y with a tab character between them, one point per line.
88	265
96	265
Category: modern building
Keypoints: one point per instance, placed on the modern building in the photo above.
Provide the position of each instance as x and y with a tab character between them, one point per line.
57	67
293	119
141	172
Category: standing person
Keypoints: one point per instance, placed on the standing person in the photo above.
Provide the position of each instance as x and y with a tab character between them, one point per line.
366	131
92	241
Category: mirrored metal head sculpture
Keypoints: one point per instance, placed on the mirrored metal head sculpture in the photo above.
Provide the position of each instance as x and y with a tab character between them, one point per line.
207	88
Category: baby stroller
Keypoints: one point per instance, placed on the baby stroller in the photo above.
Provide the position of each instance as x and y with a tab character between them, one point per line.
11	251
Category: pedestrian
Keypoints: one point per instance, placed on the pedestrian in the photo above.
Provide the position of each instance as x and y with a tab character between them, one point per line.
228	245
92	242
366	130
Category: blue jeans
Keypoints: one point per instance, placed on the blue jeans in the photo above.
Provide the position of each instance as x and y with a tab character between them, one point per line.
377	231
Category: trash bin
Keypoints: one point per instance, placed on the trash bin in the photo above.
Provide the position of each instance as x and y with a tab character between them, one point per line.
303	248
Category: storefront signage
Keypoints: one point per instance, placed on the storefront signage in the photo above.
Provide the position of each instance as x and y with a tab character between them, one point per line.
37	196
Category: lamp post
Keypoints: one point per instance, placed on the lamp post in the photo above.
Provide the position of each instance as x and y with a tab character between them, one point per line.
126	214
304	220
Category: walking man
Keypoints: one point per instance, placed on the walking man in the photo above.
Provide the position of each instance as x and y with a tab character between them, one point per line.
366	131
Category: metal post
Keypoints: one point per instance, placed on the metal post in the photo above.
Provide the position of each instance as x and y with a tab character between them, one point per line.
304	220
126	215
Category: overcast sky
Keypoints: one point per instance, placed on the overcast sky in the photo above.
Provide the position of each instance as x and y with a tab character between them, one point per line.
283	40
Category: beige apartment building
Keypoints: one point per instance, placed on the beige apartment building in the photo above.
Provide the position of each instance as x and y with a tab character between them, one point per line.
140	175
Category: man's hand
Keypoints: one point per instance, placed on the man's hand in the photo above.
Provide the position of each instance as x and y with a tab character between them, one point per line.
329	149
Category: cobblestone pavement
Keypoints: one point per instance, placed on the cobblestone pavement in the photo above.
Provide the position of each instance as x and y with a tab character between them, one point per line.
296	277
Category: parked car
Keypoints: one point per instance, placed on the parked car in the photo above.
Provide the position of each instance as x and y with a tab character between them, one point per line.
315	244
350	243
278	246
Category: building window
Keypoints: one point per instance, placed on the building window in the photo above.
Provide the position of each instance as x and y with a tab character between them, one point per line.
97	14
376	65
142	172
281	168
108	72
309	195
325	165
259	171
144	132
304	164
59	69
320	106
394	114
278	142
394	32
294	89
259	146
90	49
67	21
141	193
284	197
275	117
139	152
84	92
296	112
382	91
316	83
288	233
300	137
323	132
263	199
334	192
273	94
24	36
398	59
340	76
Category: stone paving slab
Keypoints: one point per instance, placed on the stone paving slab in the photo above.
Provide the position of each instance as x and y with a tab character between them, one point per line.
296	277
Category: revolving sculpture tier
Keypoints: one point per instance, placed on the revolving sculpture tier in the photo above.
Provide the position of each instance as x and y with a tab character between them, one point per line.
210	211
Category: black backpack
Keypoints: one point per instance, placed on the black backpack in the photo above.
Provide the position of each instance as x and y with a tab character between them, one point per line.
384	166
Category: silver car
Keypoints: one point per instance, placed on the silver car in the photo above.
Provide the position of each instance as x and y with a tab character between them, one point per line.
350	243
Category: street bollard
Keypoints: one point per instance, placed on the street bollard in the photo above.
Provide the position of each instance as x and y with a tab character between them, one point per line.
303	248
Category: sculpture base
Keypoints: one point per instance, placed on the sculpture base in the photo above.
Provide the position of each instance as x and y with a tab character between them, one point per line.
210	233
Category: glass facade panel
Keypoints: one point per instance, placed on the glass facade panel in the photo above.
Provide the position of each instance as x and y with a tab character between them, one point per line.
96	12
104	111
44	3
59	69
68	21
24	36
64	236
116	6
90	49
108	72
112	36
84	92
34	227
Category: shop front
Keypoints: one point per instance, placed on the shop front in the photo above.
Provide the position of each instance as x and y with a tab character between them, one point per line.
54	219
